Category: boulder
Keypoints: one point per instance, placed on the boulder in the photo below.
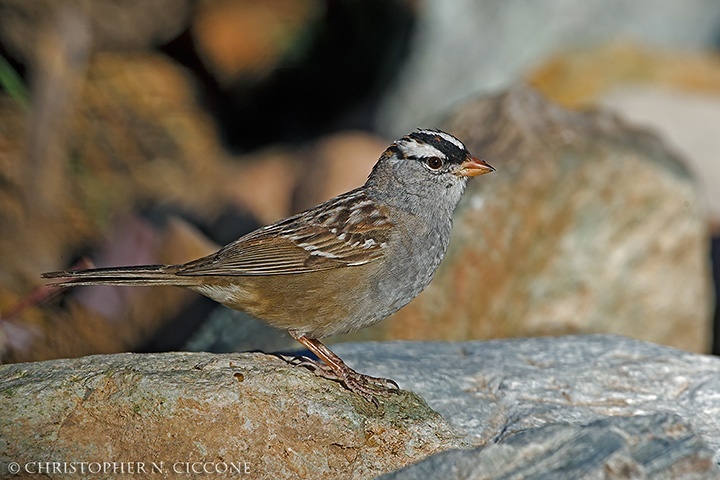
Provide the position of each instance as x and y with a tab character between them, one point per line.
492	390
597	406
594	406
223	414
656	446
674	93
690	121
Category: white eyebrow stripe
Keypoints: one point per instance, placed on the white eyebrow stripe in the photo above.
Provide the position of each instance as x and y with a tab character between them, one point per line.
420	149
446	136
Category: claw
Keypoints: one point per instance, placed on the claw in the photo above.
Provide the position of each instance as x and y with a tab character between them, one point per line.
333	368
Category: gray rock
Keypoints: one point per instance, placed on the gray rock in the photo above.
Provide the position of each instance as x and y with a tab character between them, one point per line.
568	407
493	390
227	331
657	446
465	47
234	412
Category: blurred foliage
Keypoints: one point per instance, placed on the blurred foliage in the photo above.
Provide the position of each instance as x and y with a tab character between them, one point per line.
11	82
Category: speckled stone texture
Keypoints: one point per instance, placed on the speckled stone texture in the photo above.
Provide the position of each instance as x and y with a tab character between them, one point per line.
252	410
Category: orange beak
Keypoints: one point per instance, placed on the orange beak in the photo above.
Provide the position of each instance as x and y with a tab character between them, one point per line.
472	167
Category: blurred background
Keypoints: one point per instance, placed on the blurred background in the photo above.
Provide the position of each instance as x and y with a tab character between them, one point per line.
136	132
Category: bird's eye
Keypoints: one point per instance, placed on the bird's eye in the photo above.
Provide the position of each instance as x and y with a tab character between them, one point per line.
434	163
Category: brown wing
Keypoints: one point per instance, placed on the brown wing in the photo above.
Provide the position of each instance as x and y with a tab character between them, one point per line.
348	230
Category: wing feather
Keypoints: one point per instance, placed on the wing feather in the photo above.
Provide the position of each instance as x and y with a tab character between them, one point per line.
346	231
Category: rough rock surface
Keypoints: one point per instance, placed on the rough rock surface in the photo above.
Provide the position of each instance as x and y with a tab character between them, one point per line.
587	226
251	409
651	446
493	391
567	407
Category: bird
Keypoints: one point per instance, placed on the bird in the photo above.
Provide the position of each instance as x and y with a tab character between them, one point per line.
338	267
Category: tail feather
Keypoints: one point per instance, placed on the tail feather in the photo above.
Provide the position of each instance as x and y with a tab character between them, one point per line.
140	275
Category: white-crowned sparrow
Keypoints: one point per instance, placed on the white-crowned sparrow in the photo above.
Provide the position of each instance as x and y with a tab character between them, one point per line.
340	266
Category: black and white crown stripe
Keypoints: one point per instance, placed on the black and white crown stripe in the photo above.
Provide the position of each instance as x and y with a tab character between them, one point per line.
426	143
443	135
418	149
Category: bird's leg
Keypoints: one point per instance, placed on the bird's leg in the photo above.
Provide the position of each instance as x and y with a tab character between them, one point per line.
333	368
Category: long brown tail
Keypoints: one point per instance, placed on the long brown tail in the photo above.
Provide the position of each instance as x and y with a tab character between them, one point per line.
140	275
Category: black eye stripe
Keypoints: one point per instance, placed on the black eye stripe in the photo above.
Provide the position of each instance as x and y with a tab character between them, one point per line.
452	152
424	158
